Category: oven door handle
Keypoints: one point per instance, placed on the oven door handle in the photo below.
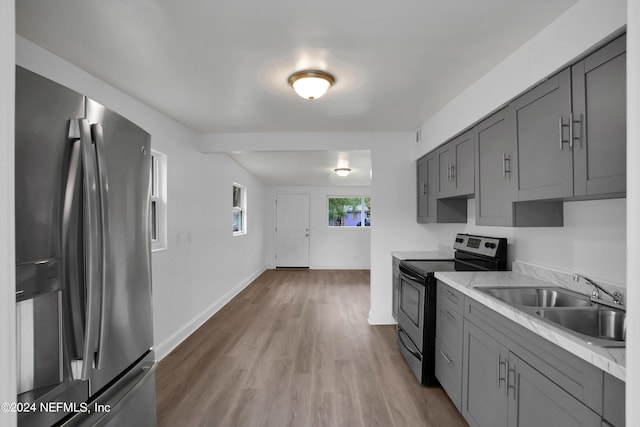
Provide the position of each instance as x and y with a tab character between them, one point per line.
405	275
401	335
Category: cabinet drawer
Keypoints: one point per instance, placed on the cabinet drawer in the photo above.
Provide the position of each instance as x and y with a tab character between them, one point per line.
449	296
448	371
449	325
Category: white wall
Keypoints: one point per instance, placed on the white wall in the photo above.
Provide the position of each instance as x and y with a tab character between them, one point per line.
633	212
204	265
7	255
591	242
329	247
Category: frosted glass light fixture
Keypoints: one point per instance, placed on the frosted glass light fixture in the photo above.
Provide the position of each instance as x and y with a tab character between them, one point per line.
342	171
311	84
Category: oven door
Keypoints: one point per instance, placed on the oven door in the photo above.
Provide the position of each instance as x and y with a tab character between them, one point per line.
411	310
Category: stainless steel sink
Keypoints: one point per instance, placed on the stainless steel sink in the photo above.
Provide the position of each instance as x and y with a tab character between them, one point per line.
608	327
538	296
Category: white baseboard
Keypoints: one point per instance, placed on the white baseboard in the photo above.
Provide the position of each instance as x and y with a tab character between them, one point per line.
340	267
381	319
168	345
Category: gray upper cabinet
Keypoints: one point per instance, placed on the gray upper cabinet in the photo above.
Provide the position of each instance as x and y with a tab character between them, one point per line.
545	161
427	176
496	170
430	209
599	122
455	167
564	139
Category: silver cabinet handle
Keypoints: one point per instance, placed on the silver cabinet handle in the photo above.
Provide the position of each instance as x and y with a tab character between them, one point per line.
504	165
560	125
509	385
571	131
500	365
572	123
560	128
424	188
453	173
506	158
449	361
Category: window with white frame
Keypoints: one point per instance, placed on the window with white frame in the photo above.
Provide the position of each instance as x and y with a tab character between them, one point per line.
239	209
349	211
158	201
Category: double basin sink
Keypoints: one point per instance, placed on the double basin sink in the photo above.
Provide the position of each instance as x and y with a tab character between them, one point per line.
569	310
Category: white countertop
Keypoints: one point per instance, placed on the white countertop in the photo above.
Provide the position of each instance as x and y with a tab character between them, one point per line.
426	255
611	360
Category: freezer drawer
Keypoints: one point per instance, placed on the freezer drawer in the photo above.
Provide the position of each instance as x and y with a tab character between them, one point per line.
129	402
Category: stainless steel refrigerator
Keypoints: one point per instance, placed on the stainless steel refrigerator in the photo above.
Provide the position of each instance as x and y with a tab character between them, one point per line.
83	287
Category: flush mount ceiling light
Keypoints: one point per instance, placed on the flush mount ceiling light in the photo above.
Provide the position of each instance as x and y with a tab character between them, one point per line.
311	84
342	171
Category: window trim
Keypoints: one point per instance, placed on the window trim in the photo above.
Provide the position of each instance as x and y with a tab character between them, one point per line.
343	227
158	198
242	209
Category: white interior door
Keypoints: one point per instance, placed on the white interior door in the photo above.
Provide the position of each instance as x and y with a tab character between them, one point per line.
292	230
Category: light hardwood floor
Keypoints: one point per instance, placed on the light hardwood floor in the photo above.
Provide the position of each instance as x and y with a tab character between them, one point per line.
295	349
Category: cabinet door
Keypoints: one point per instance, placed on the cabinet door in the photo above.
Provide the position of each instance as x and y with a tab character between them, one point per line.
445	156
426	179
535	400
462	175
545	161
484	402
455	167
496	169
600	125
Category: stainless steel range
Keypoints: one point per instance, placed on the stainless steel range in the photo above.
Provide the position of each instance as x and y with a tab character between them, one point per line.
417	299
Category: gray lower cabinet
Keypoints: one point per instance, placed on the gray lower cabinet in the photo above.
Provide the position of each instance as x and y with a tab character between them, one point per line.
484	401
501	389
449	329
598	133
395	269
613	411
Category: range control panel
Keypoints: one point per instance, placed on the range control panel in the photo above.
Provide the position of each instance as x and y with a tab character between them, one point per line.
487	246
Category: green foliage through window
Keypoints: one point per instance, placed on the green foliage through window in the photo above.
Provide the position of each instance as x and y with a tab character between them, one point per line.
349	211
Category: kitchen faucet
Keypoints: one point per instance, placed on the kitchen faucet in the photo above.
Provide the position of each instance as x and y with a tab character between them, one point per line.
617	297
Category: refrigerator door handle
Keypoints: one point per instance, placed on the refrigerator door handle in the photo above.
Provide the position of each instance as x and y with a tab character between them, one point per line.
92	248
103	191
71	232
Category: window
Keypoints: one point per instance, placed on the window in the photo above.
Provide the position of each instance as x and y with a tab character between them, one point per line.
158	201
349	211
239	209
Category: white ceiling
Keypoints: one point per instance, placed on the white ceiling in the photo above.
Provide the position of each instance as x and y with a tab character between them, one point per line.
307	168
222	65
